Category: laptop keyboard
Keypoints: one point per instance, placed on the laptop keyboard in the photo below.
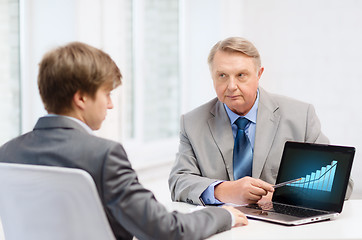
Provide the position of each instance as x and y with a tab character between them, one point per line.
286	209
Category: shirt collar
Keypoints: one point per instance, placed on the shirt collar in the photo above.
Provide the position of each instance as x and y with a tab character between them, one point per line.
251	115
85	126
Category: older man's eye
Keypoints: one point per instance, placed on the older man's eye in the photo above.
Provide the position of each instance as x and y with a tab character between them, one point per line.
222	75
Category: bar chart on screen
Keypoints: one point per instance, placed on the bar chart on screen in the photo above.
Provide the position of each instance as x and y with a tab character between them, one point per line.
319	180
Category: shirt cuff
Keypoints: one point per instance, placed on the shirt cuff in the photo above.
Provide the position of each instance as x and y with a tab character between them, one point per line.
232	218
208	196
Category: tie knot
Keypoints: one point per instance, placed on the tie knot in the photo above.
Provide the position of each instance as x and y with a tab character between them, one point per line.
241	122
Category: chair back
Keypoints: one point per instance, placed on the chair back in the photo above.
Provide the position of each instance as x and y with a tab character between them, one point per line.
46	202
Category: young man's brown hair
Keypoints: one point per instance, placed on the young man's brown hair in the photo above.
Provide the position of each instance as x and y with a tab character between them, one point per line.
75	66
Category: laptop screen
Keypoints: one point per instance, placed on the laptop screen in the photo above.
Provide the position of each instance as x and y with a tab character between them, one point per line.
322	171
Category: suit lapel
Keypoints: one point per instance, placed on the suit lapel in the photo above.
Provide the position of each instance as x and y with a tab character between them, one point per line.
266	127
221	131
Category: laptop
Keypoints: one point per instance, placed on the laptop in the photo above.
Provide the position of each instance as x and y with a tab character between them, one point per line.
311	185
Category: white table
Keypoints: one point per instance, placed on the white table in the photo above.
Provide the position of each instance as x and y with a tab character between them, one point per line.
348	225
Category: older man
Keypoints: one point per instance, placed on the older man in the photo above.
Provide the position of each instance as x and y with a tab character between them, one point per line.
230	148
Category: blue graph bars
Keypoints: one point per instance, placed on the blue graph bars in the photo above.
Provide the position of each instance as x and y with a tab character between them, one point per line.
319	180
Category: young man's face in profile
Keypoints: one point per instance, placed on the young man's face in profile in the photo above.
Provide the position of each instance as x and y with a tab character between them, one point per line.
96	108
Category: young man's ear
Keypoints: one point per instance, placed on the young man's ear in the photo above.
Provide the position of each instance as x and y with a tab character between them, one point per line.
79	99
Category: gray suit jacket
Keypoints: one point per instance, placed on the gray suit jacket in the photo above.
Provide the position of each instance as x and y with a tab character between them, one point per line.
206	143
130	208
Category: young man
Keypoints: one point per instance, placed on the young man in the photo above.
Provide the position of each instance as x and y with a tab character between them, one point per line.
75	82
209	165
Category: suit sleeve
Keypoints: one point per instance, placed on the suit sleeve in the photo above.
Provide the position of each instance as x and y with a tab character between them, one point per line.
313	129
136	209
186	180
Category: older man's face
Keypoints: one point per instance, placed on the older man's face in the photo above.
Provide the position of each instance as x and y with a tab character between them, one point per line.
236	80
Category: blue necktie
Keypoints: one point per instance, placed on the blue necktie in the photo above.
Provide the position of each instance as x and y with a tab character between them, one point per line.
243	153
